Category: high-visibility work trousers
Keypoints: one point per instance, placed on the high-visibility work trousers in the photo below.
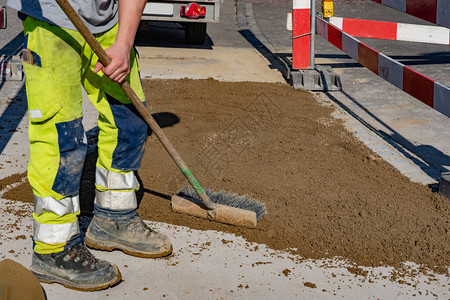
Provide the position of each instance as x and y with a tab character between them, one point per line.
60	62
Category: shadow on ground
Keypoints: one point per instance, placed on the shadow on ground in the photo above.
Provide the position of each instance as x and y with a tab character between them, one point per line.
17	106
427	157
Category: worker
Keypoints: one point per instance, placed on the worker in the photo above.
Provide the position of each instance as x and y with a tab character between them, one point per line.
57	62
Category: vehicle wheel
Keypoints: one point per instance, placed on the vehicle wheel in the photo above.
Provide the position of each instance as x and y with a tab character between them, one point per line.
195	33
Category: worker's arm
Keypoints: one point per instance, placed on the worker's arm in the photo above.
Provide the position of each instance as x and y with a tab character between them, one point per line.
130	12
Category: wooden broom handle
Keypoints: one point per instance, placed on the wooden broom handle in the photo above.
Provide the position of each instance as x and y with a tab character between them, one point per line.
105	60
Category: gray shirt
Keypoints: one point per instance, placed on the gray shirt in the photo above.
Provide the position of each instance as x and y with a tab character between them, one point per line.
99	15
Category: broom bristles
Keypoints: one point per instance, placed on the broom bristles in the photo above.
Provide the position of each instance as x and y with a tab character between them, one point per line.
223	198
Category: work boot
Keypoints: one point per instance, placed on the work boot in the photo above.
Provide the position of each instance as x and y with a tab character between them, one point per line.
133	237
75	268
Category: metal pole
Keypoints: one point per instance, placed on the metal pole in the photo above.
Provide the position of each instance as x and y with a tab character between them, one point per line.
313	34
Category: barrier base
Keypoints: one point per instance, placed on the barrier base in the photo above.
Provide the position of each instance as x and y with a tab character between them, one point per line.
321	78
11	68
444	185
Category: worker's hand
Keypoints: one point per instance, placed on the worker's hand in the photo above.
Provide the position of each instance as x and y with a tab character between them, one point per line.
119	67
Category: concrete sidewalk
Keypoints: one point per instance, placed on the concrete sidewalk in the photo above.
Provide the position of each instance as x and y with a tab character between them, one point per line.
217	265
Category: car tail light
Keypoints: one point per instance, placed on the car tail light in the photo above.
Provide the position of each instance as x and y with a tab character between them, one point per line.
193	11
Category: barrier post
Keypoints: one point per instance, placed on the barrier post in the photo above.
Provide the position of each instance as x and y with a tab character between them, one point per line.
313	35
304	73
301	34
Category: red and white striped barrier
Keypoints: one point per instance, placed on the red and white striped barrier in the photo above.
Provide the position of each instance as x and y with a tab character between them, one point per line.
393	31
434	11
301	40
417	85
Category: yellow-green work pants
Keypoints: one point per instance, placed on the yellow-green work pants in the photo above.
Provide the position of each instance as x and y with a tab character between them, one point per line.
61	63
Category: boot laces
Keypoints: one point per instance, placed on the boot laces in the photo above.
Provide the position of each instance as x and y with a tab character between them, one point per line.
81	253
138	225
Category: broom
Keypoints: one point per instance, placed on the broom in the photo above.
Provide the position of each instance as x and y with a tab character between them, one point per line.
216	206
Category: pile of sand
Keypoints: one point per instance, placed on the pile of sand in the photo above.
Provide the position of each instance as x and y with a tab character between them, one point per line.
327	195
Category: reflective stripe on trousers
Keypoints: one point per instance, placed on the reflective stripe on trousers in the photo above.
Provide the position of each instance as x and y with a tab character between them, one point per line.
120	193
116	200
59	207
54	233
114	180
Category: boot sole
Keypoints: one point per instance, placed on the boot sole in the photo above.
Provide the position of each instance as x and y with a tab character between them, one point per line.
116	246
46	278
